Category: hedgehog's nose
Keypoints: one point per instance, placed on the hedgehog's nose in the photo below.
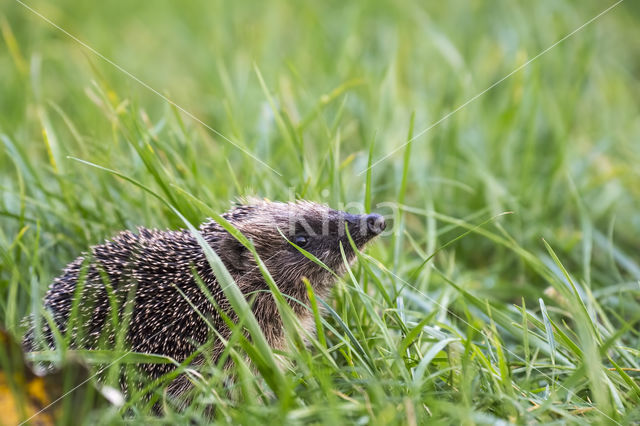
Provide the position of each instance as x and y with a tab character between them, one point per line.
375	223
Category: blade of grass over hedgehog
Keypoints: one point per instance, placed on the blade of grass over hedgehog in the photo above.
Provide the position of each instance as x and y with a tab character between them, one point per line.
74	320
153	385
354	343
230	288
291	322
237	336
236	328
310	256
313	301
121	325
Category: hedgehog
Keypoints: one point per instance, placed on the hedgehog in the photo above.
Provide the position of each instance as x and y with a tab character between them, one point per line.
157	271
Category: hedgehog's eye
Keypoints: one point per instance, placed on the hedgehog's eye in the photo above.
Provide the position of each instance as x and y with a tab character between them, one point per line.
301	240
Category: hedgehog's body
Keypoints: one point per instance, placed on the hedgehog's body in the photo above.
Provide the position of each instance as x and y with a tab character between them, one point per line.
149	267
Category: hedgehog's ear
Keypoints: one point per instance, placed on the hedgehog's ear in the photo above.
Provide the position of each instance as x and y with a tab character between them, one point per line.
233	254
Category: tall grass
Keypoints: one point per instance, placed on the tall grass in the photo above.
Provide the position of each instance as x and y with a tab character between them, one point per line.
466	314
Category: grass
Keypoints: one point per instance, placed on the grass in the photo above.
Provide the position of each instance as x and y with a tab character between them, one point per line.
465	314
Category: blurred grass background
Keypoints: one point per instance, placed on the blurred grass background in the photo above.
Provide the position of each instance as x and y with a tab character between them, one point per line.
317	90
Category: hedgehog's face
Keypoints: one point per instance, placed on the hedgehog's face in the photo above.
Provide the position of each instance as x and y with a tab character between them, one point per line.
315	228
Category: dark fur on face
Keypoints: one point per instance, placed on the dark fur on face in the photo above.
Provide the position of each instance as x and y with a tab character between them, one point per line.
156	267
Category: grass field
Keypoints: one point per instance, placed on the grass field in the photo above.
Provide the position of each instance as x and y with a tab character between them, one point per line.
509	289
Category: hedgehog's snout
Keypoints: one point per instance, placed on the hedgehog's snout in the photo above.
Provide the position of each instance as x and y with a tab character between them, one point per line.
365	227
375	224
